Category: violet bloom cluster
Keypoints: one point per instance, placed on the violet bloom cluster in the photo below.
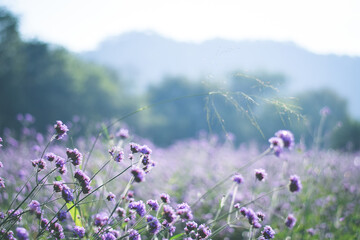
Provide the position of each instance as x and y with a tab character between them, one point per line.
169	214
295	184
123	133
117	154
74	155
190	226
1	140
101	219
268	232
79	232
134	235
154	225
238	178
290	221
203	231
260	174
61	130
153	204
110	197
139	207
22	234
2	183
165	198
59	162
84	181
283	139
34	207
184	211
138	174
39	163
57	230
66	193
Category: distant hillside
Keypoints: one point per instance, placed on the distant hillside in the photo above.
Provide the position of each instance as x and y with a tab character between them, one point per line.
147	57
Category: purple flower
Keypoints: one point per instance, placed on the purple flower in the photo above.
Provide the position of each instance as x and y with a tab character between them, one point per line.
2	183
139	207
62	215
251	216
203	231
184	211
139	174
84	181
134	147
134	235
165	198
325	111
238	178
101	219
34	205
260	215
169	214
22	234
66	193
40	163
276	142
74	155
260	174
190	226
287	137
58	186
50	157
154	225
295	184
268	232
1	140
108	236
111	197
145	150
243	211
123	133
120	212
61	130
58	230
290	221
79	231
59	162
44	223
153	204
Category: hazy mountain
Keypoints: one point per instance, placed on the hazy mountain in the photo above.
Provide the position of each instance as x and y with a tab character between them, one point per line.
147	57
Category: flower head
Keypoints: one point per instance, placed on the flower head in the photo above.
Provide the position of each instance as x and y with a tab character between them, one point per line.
61	130
22	234
134	235
165	198
268	232
139	207
287	137
238	178
295	184
139	174
260	174
153	204
203	231
290	221
74	155
79	231
154	225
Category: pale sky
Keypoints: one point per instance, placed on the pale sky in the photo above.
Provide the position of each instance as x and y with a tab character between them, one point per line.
79	25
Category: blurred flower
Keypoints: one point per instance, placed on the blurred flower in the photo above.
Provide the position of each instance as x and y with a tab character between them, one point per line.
61	129
110	197
2	183
325	111
101	219
74	155
203	231
139	174
290	221
154	225
268	232
120	212
34	206
66	193
295	184
134	147
153	204
62	215
169	214
22	234
139	207
287	137
108	236
134	235
238	178
145	150
184	211
123	133
165	198
260	174
1	140
190	226
79	231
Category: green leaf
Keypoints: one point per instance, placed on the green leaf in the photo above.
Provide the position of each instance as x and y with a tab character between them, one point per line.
58	178
75	214
177	236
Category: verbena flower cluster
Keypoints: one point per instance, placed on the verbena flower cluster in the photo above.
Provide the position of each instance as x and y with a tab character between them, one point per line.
71	195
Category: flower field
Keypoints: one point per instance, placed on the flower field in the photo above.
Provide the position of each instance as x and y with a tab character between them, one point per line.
119	186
